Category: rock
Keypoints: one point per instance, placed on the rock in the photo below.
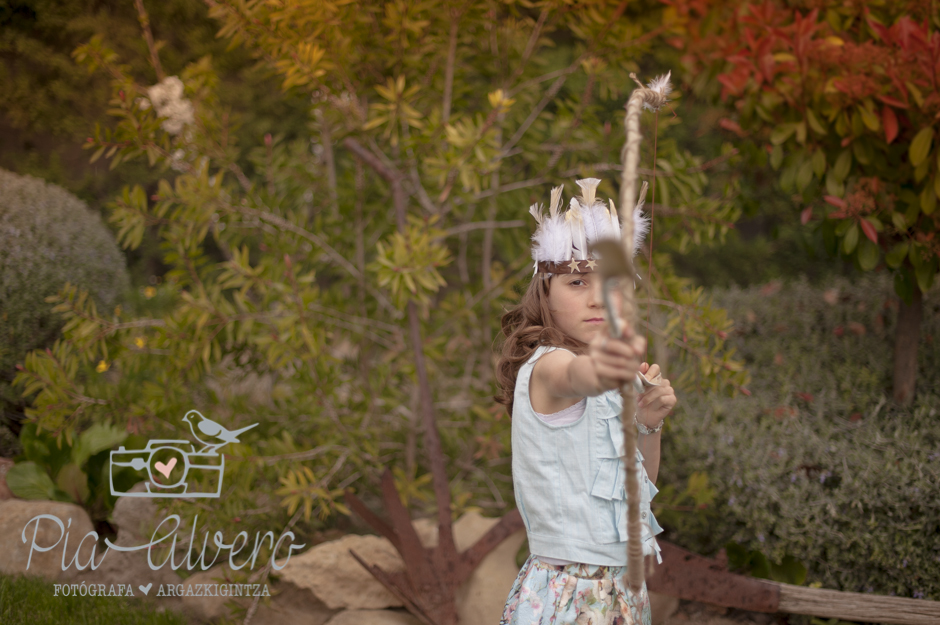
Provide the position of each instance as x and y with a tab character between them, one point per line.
338	580
290	604
135	518
662	607
5	464
375	617
204	608
14	516
481	599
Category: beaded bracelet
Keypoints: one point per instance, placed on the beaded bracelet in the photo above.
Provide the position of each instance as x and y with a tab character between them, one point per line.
645	430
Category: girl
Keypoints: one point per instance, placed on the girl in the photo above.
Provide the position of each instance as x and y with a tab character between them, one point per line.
559	375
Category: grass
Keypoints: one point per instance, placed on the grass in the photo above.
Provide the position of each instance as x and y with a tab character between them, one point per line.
31	600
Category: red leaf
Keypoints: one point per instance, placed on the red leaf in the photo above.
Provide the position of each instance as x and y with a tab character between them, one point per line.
855	416
839	331
733	126
807	397
745	391
869	230
847	141
838	202
837	215
892	101
890	121
806	215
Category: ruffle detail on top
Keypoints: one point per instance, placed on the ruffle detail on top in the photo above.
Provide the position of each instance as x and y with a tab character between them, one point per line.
609	483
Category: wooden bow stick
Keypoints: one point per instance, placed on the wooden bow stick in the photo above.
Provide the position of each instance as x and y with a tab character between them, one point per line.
630	157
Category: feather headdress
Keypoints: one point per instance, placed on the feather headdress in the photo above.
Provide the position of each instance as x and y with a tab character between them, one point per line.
561	240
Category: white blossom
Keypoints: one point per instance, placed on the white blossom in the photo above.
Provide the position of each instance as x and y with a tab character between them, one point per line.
168	101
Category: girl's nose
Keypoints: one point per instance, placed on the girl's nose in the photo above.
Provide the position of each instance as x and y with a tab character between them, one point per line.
597	296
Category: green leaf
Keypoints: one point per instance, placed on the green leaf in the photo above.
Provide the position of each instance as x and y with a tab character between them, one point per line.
920	146
924	275
73	482
862	151
801	133
96	438
789	571
899	222
28	480
833	185
869	119
814	122
851	239
928	200
776	157
868	254
843	226
842	165
895	257
819	163
804	176
783	132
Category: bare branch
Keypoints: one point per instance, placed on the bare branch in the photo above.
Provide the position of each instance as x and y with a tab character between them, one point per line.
144	20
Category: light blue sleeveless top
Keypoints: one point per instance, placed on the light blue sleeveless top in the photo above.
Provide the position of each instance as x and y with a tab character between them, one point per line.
568	480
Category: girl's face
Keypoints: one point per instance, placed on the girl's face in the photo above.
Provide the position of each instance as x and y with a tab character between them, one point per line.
577	304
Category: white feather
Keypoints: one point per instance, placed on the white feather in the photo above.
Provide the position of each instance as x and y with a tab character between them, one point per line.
556	200
552	240
614	220
641	226
661	84
536	212
588	189
576	220
597	224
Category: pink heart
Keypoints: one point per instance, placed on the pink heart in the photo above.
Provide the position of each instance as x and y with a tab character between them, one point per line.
165	468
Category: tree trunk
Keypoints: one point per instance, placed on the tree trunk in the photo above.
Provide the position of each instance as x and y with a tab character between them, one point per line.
906	337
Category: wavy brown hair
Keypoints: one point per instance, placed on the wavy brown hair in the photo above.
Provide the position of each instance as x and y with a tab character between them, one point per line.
527	326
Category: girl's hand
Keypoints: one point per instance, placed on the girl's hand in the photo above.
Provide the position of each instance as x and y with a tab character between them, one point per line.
655	404
616	361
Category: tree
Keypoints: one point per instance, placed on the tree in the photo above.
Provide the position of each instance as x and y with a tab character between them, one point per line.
433	128
845	98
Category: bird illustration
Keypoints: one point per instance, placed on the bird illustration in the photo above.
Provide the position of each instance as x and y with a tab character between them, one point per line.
210	428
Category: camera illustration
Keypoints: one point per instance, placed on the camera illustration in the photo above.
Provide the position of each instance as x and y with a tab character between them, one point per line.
175	468
166	466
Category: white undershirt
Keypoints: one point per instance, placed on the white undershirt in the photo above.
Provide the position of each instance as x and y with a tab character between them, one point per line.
562	417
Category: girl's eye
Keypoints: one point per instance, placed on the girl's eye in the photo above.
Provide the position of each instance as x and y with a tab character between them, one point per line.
576	281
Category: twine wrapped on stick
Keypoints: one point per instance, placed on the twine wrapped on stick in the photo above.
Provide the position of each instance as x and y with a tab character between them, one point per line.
652	98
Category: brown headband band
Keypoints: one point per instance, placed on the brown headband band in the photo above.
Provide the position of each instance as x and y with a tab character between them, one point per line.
570	266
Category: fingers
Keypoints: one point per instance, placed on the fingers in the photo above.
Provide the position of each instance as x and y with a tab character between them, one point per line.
658	401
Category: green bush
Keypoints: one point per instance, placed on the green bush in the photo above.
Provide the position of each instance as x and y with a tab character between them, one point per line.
47	237
818	464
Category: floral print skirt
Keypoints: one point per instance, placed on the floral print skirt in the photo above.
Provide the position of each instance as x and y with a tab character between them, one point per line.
575	594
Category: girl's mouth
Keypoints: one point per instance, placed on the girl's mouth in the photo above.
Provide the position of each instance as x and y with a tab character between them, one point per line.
595	321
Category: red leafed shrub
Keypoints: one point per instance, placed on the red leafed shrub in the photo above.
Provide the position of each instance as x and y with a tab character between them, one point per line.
845	95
